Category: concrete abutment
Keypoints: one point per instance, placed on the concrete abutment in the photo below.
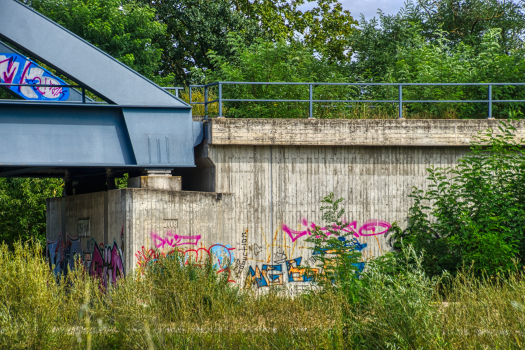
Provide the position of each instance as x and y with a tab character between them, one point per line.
257	189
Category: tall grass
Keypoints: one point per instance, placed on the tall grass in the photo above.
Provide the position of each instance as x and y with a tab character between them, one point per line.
178	306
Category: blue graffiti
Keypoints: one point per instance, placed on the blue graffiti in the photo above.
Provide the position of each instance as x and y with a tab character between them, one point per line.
264	278
353	245
17	69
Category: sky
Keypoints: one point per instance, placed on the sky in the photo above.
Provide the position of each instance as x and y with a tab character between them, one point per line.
367	7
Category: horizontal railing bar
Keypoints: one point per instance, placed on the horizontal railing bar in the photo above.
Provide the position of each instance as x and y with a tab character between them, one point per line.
356	101
250	100
41	85
173	88
358	84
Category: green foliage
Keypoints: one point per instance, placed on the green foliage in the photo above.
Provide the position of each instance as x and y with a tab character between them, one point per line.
441	62
276	62
467	21
23	207
325	28
455	22
473	213
30	300
177	306
123	29
336	252
396	308
195	27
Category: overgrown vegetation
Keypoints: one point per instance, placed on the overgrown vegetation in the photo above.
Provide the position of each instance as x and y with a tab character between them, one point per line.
175	305
473	213
185	42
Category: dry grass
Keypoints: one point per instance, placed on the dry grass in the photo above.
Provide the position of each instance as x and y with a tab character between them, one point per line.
174	306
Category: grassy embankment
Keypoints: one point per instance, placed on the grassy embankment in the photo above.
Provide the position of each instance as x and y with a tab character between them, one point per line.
188	307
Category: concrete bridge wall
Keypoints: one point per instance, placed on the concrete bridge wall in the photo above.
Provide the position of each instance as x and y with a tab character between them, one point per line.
258	186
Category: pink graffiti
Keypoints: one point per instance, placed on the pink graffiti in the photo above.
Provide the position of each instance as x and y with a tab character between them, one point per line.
8	69
222	254
369	228
174	241
372	225
107	264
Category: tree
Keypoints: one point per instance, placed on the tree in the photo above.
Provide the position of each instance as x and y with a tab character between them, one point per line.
23	207
458	22
194	27
325	28
466	21
439	61
122	28
266	61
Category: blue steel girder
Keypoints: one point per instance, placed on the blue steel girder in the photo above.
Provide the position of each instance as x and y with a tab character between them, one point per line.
144	126
57	135
77	59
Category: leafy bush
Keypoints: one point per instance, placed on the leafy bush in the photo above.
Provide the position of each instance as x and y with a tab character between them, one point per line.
265	61
23	207
336	250
473	213
441	62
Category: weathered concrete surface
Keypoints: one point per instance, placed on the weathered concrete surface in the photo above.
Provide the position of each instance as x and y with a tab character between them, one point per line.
136	218
165	183
350	132
263	193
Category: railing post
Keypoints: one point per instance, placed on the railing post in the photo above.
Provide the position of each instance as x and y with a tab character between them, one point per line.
206	102
190	95
311	103
83	95
220	100
490	102
400	101
177	93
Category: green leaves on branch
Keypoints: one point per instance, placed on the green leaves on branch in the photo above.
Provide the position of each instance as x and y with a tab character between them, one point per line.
123	29
473	213
23	207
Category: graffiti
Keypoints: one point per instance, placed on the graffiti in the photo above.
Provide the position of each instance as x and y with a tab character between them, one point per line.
146	256
219	255
272	275
369	228
352	244
280	256
298	274
17	69
256	249
244	243
173	240
262	278
61	255
107	264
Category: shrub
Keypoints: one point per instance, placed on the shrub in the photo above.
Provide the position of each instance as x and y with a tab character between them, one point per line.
473	213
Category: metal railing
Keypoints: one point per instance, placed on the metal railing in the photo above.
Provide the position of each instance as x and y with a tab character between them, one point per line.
220	100
177	89
83	90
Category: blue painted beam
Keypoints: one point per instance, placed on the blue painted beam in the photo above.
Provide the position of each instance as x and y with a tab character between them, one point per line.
58	135
77	59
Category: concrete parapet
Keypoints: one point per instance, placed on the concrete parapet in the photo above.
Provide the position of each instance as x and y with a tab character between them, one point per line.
351	132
